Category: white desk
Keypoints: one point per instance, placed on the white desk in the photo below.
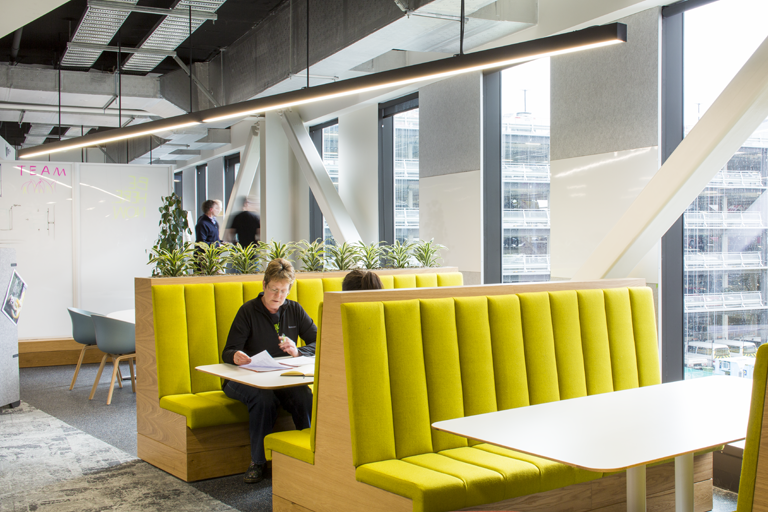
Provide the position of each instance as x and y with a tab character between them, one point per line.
263	380
126	315
624	430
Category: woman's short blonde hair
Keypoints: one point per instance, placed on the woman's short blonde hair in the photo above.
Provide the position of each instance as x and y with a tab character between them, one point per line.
279	269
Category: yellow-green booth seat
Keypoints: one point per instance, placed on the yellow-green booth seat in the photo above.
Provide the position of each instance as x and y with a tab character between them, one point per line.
753	488
411	363
300	444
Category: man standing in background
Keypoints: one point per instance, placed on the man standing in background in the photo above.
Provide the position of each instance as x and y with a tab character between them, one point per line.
246	226
207	229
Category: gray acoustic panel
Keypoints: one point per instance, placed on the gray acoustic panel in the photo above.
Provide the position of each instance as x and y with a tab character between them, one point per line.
9	336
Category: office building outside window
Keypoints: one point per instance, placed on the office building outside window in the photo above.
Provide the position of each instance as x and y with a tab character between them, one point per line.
406	173
331	161
525	172
725	228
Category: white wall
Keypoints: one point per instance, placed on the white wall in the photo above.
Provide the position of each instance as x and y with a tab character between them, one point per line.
80	232
359	169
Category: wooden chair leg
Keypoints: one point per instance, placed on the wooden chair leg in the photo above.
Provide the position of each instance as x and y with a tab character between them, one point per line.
98	376
115	372
116	360
77	368
133	375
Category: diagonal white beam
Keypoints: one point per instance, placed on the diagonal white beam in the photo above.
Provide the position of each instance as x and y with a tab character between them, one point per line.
731	119
247	175
311	165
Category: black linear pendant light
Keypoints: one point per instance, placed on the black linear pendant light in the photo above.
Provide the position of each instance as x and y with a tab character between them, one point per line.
592	37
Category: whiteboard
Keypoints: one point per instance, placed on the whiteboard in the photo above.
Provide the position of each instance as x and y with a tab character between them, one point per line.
36	220
119	224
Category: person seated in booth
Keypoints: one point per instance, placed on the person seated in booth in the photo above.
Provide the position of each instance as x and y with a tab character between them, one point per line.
270	322
359	279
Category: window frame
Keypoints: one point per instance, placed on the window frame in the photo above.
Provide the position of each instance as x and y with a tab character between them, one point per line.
315	214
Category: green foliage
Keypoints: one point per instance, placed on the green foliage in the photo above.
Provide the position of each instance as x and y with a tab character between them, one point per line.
311	255
174	263
210	259
173	225
371	254
272	250
399	254
427	253
243	260
344	256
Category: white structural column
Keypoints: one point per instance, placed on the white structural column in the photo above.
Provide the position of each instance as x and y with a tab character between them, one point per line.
731	119
313	169
247	180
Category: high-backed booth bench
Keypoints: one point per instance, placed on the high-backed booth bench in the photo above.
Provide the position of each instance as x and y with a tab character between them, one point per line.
186	425
393	362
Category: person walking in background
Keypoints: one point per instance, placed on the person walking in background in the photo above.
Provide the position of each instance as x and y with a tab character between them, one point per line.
245	228
207	228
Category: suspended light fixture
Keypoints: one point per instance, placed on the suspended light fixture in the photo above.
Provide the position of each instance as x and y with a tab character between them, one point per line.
593	37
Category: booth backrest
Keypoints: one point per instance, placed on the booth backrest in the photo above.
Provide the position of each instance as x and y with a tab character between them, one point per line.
188	317
411	363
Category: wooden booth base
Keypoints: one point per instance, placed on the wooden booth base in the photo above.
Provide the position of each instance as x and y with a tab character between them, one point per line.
607	494
34	353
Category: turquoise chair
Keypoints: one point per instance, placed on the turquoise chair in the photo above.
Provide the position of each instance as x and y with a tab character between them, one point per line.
117	339
753	486
84	333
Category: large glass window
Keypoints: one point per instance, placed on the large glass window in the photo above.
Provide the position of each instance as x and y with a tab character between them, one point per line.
525	172
406	174
725	228
330	156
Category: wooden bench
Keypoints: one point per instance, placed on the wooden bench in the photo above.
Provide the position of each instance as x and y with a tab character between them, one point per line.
373	448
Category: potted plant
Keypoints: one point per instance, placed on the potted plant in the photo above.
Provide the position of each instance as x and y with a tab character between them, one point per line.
243	260
311	255
343	257
171	263
173	225
209	259
272	250
371	254
399	254
427	253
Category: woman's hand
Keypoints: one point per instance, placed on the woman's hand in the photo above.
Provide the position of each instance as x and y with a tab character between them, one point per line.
241	358
288	346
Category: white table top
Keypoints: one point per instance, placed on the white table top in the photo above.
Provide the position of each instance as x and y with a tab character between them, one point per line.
263	380
126	315
623	429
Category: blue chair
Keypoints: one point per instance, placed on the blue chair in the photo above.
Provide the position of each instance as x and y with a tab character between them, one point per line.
117	339
83	332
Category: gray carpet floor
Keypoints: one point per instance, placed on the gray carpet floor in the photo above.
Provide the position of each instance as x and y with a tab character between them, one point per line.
49	488
47	389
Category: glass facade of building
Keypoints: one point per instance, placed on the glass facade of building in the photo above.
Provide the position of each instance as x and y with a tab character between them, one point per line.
331	161
406	174
725	228
525	172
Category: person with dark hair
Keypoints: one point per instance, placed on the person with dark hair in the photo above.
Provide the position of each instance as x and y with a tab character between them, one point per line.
359	279
245	227
207	229
270	322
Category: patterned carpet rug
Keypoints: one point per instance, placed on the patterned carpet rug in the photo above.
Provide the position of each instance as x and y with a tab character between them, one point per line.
47	465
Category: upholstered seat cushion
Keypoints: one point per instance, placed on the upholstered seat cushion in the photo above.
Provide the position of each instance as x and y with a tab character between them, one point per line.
206	409
294	443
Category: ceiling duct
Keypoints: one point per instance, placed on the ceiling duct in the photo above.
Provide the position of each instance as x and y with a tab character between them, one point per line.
98	26
169	34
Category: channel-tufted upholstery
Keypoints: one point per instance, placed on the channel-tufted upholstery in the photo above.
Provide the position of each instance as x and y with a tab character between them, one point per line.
192	322
412	363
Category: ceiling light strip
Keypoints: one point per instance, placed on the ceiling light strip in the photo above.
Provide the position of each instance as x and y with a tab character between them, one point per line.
593	37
